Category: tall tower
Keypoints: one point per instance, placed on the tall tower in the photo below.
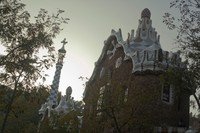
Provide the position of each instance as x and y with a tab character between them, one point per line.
131	89
55	84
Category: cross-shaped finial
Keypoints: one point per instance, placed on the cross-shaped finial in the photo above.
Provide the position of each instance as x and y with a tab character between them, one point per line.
62	50
64	42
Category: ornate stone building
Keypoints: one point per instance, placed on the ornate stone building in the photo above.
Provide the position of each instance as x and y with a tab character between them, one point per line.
134	87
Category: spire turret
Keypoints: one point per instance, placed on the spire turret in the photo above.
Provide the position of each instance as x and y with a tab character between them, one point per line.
144	47
56	80
146	13
145	31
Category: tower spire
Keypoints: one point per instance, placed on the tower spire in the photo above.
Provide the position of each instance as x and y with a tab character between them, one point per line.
55	84
146	13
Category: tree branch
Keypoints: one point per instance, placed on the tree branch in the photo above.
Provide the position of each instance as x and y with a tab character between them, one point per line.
10	103
197	100
115	120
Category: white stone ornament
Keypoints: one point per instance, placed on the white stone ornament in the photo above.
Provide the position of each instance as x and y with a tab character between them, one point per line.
118	62
112	52
62	106
43	109
66	103
144	48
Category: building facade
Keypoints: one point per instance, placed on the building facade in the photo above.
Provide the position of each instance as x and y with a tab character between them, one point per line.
134	86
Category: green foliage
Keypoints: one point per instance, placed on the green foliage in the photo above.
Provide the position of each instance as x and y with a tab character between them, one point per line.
177	77
24	111
23	40
187	26
112	109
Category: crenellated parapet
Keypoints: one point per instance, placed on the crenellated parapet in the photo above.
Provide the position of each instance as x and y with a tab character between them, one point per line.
155	60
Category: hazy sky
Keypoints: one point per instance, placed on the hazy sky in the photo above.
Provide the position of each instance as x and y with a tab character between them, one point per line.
90	24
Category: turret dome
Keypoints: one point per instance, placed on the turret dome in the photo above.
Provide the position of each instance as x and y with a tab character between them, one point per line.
146	13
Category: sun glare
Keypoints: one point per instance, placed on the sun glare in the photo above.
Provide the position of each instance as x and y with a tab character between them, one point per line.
74	67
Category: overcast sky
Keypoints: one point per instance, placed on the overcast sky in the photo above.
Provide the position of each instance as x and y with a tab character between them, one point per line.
90	24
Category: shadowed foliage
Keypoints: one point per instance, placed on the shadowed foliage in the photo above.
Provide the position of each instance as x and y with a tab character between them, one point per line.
187	26
28	46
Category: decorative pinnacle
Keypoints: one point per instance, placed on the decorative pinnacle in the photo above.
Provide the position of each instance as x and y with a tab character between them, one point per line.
146	13
64	41
62	50
69	90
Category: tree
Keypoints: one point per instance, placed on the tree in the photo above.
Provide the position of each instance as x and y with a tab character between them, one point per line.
23	63
24	113
188	38
109	110
113	106
194	120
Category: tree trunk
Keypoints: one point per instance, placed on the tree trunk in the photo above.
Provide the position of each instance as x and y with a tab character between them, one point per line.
9	107
197	100
115	121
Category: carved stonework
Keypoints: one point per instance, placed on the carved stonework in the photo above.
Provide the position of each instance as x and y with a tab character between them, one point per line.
144	48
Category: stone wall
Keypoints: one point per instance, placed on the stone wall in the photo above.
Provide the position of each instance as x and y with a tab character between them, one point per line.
143	109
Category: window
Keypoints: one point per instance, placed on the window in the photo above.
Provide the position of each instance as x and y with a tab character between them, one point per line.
123	95
167	93
118	62
100	100
126	95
